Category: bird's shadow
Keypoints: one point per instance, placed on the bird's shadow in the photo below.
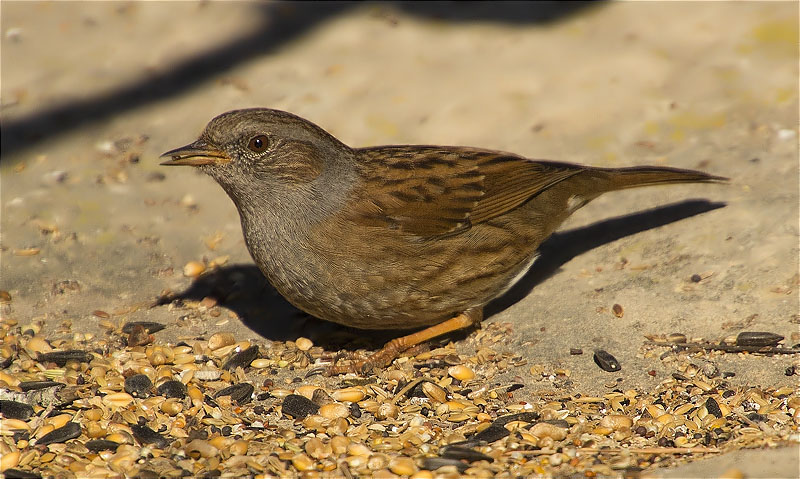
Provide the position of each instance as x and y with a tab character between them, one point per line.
244	290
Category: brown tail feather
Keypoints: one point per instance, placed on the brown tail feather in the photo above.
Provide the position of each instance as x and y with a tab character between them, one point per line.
622	178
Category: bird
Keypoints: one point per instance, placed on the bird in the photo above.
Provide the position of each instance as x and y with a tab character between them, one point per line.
393	237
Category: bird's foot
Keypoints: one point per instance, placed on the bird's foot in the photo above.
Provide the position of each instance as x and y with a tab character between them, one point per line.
393	348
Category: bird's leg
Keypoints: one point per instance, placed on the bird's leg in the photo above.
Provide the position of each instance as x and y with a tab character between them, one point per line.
396	346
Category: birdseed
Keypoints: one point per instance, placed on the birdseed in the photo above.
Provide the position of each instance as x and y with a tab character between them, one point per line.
250	412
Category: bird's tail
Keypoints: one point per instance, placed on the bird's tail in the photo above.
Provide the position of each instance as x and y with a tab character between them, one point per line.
634	177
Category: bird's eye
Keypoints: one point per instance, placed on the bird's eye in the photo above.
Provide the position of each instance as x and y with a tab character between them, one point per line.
258	144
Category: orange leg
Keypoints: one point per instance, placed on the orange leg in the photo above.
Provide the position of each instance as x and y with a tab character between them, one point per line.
396	346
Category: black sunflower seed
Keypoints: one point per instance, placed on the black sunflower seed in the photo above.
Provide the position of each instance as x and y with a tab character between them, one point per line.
61	357
149	326
98	445
241	393
70	430
26	386
758	338
464	453
138	385
713	407
145	435
15	410
299	407
606	361
433	463
19	474
242	358
172	389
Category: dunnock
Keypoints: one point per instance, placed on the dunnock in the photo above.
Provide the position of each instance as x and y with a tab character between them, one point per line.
393	236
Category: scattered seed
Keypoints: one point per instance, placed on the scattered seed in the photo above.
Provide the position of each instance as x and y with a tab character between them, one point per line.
353	394
149	326
606	361
241	359
676	338
334	411
145	435
464	454
97	445
299	407
544	429
240	393
713	407
461	372
303	344
27	252
617	310
575	351
61	357
71	430
219	340
402	466
172	389
193	269
15	410
616	422
758	338
138	385
434	463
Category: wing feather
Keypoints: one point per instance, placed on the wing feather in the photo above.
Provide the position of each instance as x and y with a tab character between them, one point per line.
432	191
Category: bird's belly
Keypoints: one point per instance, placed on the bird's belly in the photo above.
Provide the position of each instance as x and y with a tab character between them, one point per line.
371	282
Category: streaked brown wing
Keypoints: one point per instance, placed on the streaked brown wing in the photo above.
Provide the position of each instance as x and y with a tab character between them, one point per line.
434	191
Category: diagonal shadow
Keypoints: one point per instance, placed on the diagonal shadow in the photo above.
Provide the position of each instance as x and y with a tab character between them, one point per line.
244	290
563	246
282	22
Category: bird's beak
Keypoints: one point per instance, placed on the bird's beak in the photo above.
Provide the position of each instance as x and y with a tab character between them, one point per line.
195	154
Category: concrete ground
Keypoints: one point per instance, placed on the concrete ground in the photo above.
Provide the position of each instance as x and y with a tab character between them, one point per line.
93	92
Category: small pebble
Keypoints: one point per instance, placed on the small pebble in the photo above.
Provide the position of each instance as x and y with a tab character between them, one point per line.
606	361
575	351
617	310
